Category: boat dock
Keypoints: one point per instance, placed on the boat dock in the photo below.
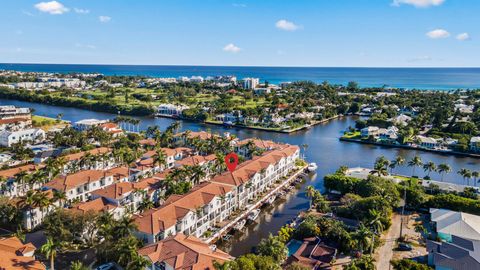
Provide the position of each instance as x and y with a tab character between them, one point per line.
227	227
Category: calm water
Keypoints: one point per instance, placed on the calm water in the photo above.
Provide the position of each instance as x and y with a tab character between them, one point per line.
420	78
324	148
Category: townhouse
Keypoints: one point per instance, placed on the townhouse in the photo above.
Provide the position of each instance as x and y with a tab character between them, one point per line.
99	205
255	176
98	159
191	214
78	186
128	195
34	216
15	124
182	252
146	165
12	187
247	146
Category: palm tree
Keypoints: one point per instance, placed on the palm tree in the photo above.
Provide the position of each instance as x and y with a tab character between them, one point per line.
273	247
465	173
380	166
363	237
415	162
42	201
475	175
160	158
197	173
444	169
429	167
310	194
376	224
49	249
60	196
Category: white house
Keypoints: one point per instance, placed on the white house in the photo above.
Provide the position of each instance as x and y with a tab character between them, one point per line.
87	124
475	144
7	138
369	131
171	109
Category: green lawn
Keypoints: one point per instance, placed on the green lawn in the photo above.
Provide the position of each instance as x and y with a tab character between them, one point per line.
352	135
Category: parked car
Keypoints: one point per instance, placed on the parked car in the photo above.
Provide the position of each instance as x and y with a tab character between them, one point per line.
404	247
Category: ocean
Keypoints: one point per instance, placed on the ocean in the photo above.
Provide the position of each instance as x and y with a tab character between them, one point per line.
409	78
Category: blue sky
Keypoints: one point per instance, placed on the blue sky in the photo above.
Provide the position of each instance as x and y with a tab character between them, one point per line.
371	33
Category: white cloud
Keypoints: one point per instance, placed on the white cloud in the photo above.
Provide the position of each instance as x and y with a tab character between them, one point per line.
81	10
438	33
286	25
104	19
52	7
231	48
418	3
463	36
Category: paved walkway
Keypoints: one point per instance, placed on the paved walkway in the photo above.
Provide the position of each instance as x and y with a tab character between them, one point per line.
384	253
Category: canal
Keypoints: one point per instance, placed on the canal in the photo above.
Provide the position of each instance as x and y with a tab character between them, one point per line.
324	148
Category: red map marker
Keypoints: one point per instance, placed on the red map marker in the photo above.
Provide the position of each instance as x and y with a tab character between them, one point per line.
232	161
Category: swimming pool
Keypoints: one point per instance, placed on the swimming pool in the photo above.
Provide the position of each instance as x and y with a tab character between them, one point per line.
293	246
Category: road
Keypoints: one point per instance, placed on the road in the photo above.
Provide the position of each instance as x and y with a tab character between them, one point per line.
384	253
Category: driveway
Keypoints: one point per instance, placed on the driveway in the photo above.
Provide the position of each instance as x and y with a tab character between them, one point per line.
384	253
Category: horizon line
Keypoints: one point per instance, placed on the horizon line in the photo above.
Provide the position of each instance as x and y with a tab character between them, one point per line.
242	66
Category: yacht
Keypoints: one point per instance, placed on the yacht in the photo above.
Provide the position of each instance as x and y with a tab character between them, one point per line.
252	216
312	167
239	225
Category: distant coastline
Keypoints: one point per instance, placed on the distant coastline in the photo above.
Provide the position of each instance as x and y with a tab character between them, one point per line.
408	78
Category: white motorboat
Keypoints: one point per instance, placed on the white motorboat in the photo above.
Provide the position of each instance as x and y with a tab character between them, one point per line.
239	225
252	216
312	167
270	200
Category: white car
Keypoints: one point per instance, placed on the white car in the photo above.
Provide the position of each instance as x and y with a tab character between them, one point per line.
106	266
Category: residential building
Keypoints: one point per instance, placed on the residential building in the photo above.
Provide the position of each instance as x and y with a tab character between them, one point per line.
389	135
313	254
427	142
87	124
15	124
256	175
183	252
111	128
10	111
33	135
99	205
18	256
193	213
34	216
11	187
230	117
250	83
475	144
262	90
96	159
401	120
456	254
171	109
369	131
459	245
78	186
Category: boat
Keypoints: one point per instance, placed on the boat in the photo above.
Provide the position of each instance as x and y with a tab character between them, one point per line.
239	225
312	167
281	193
252	216
270	200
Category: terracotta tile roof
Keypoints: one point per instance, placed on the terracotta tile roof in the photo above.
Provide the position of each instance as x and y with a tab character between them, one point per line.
263	144
202	135
13	120
10	173
98	205
246	170
313	254
119	172
176	207
115	191
70	181
150	142
79	155
184	253
12	257
109	125
195	160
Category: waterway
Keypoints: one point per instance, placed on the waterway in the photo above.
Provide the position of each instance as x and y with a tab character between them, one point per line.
324	148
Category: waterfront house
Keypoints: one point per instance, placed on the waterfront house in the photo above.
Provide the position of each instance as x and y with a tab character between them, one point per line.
171	109
401	120
183	252
111	128
18	256
32	135
87	124
475	144
10	111
369	131
427	142
448	223
193	213
389	134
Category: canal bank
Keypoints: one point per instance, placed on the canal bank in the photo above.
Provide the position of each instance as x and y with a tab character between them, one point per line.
324	148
